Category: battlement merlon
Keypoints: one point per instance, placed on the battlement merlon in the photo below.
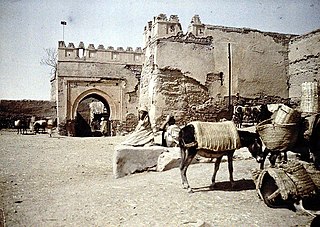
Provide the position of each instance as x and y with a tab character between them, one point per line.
161	27
100	54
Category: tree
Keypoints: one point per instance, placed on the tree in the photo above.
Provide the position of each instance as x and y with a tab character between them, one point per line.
51	59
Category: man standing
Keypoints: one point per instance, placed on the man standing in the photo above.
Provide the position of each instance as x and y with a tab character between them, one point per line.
103	126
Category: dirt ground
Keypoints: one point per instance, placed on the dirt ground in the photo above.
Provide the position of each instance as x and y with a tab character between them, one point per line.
68	181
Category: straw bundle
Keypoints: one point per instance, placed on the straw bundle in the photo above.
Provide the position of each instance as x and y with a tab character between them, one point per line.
309	97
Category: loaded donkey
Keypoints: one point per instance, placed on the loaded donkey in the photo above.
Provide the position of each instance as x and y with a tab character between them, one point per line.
214	140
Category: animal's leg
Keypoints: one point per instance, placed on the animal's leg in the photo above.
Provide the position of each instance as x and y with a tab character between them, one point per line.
264	156
230	167
184	155
285	157
186	158
216	168
273	158
262	165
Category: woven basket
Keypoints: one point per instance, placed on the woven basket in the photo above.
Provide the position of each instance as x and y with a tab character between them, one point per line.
280	137
286	115
292	180
313	173
300	177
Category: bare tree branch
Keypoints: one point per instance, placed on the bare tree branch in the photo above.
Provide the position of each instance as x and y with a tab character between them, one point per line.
50	59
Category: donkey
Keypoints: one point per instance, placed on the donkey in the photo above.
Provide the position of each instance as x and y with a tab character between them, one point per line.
21	125
189	137
40	124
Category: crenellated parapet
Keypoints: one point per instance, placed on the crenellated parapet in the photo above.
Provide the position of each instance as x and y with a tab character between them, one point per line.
161	27
99	54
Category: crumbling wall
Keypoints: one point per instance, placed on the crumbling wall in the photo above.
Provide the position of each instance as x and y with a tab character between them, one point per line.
304	64
258	60
174	78
189	75
184	97
172	92
193	56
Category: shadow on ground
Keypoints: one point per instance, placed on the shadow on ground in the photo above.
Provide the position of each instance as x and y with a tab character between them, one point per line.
239	185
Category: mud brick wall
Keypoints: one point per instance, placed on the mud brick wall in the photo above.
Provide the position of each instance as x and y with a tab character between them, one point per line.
304	55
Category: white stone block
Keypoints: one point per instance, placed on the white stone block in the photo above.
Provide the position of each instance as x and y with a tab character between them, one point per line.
169	159
128	159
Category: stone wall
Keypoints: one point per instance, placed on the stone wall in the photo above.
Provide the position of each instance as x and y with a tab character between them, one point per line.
174	75
304	52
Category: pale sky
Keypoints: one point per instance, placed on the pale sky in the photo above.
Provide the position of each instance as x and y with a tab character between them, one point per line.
30	26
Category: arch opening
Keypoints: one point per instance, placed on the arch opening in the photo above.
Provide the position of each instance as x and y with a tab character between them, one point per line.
92	117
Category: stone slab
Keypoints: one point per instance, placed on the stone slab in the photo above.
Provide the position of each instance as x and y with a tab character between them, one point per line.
128	159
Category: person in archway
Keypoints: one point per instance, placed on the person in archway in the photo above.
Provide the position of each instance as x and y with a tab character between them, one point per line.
50	126
143	133
170	132
104	126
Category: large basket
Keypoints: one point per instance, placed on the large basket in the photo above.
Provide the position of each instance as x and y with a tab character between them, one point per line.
280	137
292	180
313	173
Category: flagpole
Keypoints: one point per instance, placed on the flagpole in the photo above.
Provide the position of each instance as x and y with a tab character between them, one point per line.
63	24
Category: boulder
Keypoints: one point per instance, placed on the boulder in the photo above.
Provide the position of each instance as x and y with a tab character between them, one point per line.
128	159
169	159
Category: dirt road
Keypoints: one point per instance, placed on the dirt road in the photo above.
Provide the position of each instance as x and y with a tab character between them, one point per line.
67	181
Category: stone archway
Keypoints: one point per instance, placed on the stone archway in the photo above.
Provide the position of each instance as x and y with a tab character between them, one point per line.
100	95
88	110
111	74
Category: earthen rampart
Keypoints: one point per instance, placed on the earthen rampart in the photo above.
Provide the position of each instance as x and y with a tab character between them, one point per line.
11	110
304	55
211	63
